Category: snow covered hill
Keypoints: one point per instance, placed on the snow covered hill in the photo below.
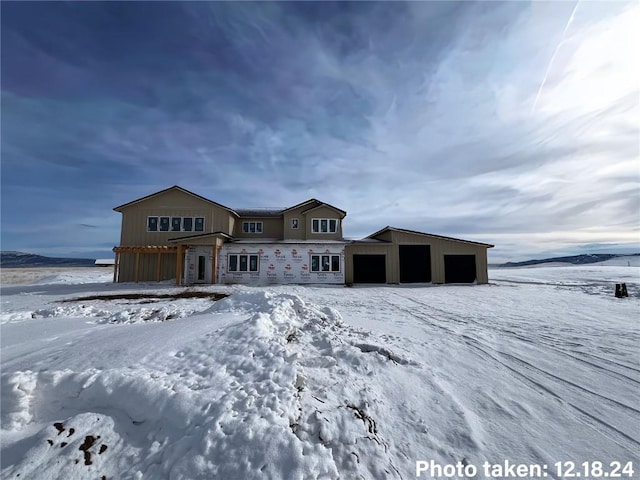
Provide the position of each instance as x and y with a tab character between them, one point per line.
10	259
291	382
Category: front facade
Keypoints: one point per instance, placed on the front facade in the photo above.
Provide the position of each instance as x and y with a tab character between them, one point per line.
177	234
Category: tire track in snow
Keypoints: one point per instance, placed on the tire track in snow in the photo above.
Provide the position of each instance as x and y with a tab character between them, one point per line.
619	437
541	386
541	340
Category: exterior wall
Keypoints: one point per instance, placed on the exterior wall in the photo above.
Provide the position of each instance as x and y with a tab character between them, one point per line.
190	269
372	249
450	248
294	233
281	263
439	248
271	228
148	267
322	212
172	203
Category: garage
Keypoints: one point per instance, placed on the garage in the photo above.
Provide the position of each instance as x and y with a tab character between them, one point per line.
415	263
369	269
459	268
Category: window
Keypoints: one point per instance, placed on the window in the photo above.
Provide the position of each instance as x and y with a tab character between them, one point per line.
294	223
252	227
324	225
175	224
243	262
325	263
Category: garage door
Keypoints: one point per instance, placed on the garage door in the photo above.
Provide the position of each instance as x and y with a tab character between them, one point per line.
459	268
369	269
415	263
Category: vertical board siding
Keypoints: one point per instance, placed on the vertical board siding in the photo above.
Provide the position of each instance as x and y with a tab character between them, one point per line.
322	212
148	268
373	249
170	204
271	228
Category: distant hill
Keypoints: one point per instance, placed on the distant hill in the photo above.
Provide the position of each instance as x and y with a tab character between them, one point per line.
26	260
572	260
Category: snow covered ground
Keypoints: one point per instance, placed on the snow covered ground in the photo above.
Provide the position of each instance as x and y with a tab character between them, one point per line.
306	382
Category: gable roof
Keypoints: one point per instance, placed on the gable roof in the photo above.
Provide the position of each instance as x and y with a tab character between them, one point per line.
175	187
312	204
414	232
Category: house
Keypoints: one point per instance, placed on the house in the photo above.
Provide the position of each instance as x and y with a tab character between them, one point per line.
177	234
105	262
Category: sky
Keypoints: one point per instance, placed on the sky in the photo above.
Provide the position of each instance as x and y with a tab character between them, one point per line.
515	123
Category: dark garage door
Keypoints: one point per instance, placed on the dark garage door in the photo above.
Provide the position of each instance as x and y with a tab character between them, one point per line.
415	263
459	268
369	269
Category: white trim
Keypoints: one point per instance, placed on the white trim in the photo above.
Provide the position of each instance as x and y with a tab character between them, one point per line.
330	265
170	224
248	255
257	225
327	225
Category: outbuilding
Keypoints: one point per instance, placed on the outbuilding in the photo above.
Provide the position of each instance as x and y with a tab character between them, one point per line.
397	255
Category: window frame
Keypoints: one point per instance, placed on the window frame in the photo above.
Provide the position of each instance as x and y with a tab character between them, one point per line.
197	224
246	260
323	225
157	224
160	224
319	265
258	227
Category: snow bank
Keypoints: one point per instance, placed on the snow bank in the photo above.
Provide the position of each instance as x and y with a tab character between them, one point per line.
538	367
235	404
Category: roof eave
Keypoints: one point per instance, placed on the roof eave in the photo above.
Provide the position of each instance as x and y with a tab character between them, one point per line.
174	187
404	230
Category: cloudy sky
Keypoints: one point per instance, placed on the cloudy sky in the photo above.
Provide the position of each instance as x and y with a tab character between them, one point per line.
510	123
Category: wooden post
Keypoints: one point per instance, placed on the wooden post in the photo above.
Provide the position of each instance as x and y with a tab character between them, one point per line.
214	263
158	265
137	265
178	265
115	268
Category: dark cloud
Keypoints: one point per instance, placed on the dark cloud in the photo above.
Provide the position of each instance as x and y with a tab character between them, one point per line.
414	114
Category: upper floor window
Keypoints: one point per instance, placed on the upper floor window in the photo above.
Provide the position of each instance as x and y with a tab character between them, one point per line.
175	224
252	227
164	224
324	225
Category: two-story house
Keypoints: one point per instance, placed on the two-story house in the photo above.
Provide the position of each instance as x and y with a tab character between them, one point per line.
177	234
